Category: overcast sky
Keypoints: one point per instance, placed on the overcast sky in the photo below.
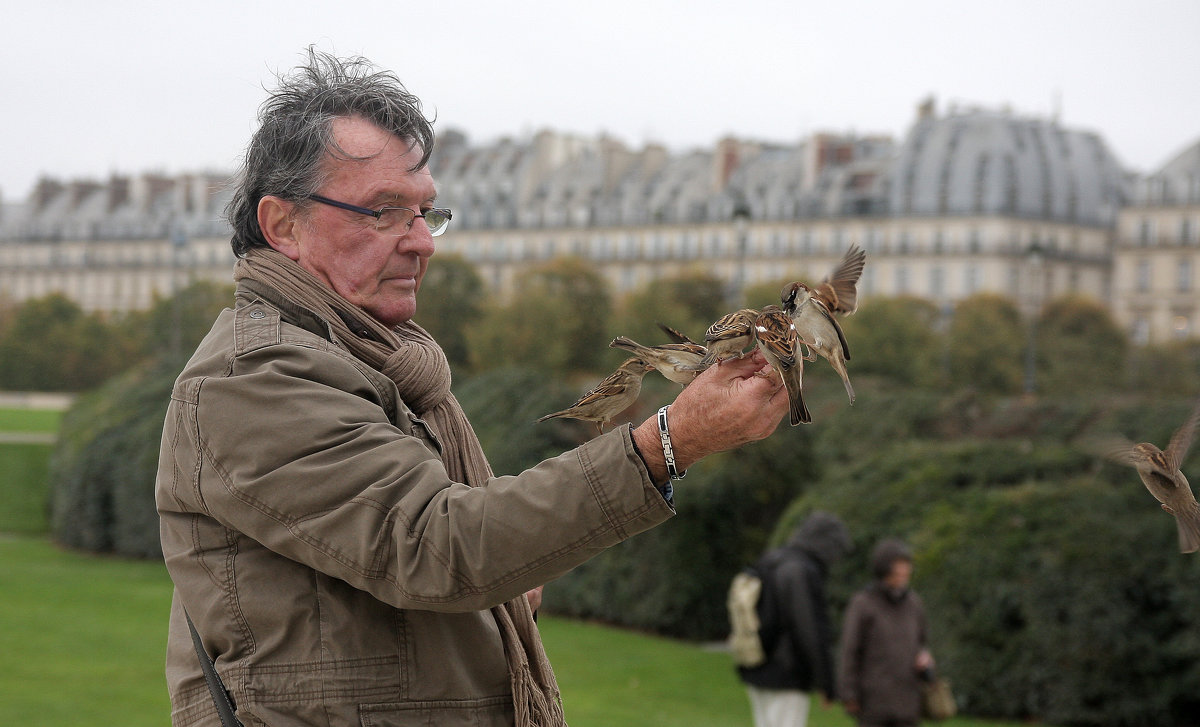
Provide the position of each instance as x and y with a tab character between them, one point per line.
93	88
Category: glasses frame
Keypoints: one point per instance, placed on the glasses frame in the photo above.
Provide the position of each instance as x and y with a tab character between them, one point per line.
378	214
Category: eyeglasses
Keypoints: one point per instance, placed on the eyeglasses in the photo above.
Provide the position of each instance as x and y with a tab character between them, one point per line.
395	220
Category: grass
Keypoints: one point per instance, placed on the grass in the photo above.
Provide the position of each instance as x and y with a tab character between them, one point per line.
29	420
84	638
24	488
24	468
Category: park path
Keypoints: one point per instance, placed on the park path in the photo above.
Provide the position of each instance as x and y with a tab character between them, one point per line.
27	437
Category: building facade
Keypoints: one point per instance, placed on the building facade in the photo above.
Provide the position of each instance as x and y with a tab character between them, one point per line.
971	200
1157	255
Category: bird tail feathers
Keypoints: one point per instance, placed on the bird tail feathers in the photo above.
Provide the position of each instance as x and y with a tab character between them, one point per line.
1189	528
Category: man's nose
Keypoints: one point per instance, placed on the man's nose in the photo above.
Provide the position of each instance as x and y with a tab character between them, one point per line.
419	239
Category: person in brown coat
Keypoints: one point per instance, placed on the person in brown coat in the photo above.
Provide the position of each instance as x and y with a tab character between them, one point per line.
327	515
883	654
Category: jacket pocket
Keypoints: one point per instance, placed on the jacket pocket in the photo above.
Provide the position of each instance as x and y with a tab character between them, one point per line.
486	712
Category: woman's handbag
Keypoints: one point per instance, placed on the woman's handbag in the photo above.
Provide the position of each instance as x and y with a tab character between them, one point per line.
937	700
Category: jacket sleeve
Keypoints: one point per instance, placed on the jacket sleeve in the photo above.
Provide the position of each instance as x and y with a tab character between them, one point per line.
850	653
294	450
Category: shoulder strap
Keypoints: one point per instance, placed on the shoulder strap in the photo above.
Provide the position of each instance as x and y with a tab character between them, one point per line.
220	695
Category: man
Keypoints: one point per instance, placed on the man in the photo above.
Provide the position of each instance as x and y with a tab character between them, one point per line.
327	515
796	632
883	651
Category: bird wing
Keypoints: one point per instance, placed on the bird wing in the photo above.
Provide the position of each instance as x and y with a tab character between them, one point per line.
1181	440
839	290
615	384
729	326
824	310
1115	448
776	333
675	334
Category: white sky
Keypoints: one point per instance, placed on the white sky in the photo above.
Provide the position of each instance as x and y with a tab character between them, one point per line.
91	88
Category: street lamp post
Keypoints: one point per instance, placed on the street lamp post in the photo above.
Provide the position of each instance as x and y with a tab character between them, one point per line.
1034	261
741	223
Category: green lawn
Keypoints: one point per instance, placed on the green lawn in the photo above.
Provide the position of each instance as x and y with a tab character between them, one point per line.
83	639
23	487
23	470
29	420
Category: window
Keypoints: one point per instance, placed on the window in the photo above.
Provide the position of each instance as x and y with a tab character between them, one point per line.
1141	330
1145	232
1142	283
937	283
901	279
1183	280
971	279
1185	230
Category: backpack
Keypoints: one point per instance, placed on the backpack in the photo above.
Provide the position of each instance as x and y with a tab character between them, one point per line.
752	616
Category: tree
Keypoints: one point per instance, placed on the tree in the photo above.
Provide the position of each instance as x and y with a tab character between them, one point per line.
984	344
1079	348
895	338
1166	369
453	298
174	326
688	303
557	321
50	344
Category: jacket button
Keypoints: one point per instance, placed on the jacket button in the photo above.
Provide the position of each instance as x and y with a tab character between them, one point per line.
256	313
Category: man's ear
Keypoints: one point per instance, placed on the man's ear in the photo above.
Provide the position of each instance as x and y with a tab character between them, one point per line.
278	225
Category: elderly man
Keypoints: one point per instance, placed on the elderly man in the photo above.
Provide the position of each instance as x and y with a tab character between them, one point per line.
328	517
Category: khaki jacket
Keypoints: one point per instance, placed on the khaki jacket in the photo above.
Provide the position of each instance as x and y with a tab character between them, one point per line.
333	570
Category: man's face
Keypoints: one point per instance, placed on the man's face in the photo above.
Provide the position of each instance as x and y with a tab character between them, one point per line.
378	271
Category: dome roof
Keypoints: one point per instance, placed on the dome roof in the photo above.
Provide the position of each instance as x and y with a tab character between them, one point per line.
1177	182
992	162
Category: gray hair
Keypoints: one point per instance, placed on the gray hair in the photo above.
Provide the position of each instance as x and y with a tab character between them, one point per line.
284	157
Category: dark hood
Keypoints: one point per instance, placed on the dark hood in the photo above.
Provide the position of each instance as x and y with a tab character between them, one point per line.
824	537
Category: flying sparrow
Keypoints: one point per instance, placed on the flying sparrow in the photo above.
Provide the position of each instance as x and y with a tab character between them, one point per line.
1161	475
729	335
776	338
812	309
613	395
679	362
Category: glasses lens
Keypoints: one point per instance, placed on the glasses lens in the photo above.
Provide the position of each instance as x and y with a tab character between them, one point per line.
396	220
437	220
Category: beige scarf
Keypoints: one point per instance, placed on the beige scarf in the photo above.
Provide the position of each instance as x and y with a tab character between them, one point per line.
409	356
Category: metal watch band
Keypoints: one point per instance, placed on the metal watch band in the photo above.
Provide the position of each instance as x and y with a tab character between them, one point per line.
664	434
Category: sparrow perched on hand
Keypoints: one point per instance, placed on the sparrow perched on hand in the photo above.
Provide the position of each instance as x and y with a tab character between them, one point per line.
812	310
776	338
729	335
679	362
1161	475
613	395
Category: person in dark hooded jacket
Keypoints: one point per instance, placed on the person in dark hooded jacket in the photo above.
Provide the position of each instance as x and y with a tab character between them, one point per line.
798	636
883	654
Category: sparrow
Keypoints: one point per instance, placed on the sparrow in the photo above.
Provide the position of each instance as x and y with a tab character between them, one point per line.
679	362
776	337
812	310
1161	475
729	335
613	395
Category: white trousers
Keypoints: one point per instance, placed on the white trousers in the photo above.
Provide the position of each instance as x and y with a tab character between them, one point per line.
778	707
